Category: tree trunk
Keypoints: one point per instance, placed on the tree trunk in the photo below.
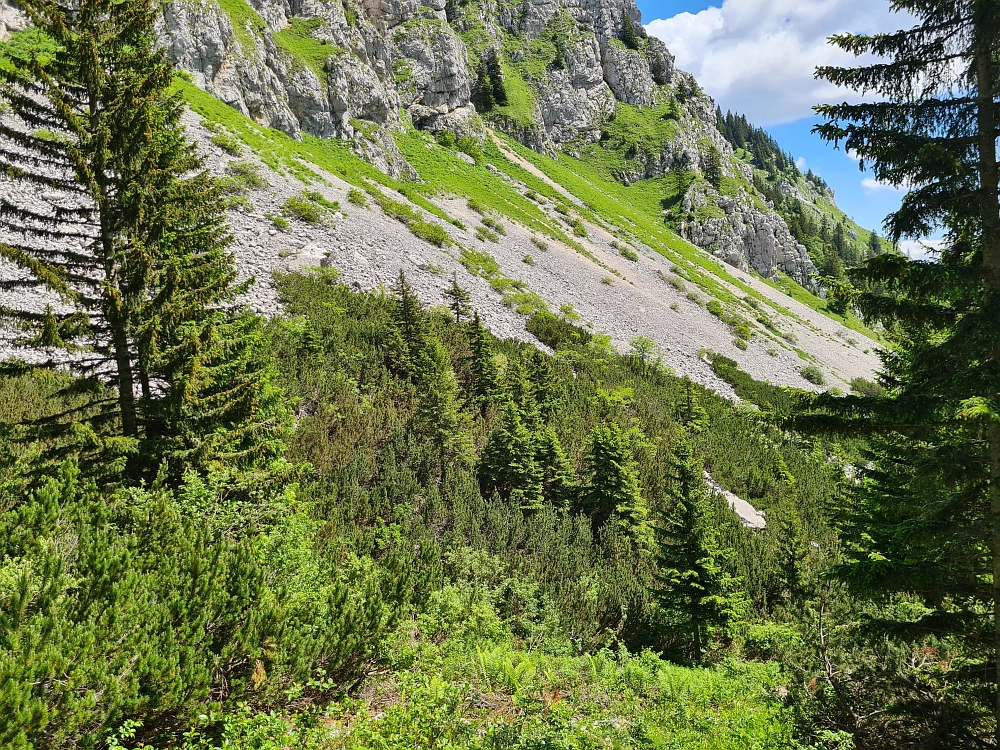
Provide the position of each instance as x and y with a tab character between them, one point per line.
990	198
112	294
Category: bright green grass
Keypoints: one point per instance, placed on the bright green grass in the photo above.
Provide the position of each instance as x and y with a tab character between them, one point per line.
241	16
305	50
286	155
520	105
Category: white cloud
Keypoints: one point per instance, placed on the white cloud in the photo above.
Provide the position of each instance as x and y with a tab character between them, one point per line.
757	57
801	163
872	185
921	249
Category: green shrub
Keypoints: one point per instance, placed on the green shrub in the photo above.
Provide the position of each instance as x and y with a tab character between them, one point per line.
715	307
475	205
743	331
813	374
484	234
495	225
446	138
580	230
741	344
529	260
629	254
556	332
227	143
280	222
430	232
470	146
865	387
540	243
243	176
320	200
607	280
303	209
357	198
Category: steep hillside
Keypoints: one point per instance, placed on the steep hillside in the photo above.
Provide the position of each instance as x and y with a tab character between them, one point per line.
550	153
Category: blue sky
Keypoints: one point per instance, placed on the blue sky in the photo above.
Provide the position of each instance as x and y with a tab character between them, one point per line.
757	57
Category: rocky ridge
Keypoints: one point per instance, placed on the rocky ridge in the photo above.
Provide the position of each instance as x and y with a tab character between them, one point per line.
360	69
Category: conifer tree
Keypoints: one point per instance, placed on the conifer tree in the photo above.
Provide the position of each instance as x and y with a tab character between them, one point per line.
544	384
559	485
713	166
459	299
409	321
690	586
629	35
438	417
614	491
928	510
691	413
792	552
874	245
508	467
135	246
485	379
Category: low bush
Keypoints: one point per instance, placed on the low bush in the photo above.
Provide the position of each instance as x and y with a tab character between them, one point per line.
813	374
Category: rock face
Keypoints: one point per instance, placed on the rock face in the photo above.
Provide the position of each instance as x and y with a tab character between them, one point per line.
354	69
746	236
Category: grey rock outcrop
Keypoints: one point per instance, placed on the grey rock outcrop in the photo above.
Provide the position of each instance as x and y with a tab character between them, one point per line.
11	19
746	236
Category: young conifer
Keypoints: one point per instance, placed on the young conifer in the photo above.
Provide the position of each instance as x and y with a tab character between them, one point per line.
438	417
559	484
614	491
508	467
459	299
691	413
691	588
485	379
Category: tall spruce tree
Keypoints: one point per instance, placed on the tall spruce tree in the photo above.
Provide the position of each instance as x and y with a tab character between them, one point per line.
508	467
927	515
691	588
438	417
116	218
614	492
485	379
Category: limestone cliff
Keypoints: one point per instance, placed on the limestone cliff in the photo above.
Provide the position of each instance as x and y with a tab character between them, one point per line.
358	69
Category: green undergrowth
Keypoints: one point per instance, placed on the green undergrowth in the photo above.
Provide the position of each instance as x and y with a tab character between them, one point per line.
485	689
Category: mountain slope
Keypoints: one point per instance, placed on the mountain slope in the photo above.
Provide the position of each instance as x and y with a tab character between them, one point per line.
588	141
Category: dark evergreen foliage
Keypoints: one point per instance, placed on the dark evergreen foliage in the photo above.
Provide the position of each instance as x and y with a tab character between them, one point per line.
630	38
712	166
926	513
691	588
135	248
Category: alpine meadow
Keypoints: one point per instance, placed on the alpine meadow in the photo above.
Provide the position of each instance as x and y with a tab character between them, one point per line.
387	376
